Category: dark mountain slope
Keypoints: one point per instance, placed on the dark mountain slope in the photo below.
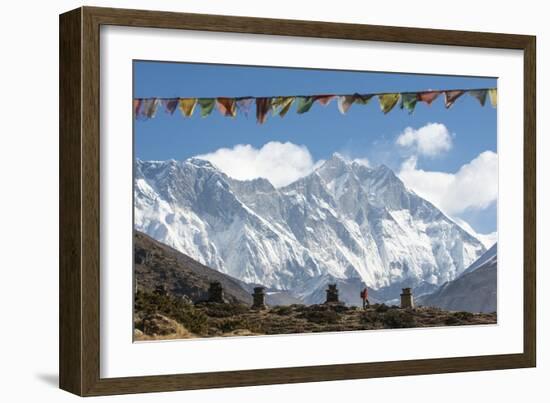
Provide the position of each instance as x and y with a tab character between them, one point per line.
159	265
474	291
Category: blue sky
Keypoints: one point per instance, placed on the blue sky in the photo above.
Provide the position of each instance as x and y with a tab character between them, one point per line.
364	132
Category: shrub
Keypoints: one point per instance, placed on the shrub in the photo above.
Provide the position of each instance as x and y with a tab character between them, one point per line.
371	318
215	310
396	319
452	320
458	318
193	319
229	325
321	316
282	310
338	308
381	308
466	316
179	309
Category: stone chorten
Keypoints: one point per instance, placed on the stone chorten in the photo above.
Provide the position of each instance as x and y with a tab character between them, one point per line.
259	298
215	292
407	298
332	294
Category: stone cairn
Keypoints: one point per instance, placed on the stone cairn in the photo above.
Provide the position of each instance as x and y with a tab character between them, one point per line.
332	294
407	299
215	292
259	298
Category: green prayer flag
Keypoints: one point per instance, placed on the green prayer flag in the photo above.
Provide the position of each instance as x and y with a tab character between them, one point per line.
408	101
480	95
304	104
207	106
388	101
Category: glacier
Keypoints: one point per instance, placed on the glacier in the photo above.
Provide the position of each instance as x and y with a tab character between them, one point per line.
344	221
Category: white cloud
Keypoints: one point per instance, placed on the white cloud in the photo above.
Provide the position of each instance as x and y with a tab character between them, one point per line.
473	186
280	163
362	161
430	140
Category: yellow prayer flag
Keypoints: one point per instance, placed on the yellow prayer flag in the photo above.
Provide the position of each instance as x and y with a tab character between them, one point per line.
493	97
187	106
388	101
281	105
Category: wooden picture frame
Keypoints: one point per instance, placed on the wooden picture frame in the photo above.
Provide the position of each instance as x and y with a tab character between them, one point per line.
80	199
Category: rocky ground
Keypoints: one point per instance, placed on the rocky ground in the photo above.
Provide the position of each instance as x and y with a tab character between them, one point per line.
161	317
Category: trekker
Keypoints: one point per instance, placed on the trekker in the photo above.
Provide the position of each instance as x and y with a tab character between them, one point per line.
365	297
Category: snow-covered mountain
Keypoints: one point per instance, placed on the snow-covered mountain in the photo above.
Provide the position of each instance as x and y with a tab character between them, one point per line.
488	258
475	290
345	221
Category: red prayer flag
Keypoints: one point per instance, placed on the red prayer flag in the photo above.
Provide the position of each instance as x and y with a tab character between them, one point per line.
263	106
428	96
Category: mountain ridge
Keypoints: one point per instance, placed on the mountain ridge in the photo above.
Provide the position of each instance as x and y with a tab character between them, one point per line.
475	290
344	220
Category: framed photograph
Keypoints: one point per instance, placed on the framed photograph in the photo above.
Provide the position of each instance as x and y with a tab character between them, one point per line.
249	201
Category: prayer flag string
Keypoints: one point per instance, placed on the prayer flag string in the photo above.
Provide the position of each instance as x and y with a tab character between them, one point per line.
146	108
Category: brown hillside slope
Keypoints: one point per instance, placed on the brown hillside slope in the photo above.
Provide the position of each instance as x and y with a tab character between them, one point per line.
156	264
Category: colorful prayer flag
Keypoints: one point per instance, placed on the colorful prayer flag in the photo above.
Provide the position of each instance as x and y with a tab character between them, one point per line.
388	101
170	105
207	105
187	106
428	96
227	106
304	104
480	95
324	99
408	101
276	105
263	106
284	105
493	97
244	105
361	99
149	108
344	103
146	108
137	107
451	97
